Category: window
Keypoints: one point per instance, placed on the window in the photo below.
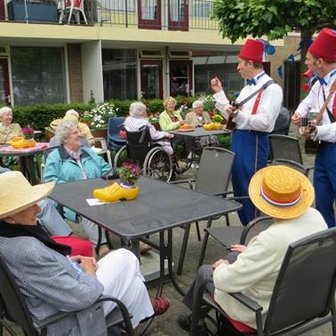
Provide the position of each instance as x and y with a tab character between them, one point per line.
120	73
178	18
38	75
208	64
149	14
118	5
201	8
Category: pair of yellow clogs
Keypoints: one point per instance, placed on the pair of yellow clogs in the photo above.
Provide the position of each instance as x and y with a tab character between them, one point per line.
116	192
21	142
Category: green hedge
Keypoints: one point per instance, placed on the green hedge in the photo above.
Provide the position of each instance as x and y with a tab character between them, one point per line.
40	116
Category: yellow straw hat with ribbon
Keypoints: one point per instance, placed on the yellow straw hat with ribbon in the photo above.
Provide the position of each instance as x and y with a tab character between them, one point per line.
281	192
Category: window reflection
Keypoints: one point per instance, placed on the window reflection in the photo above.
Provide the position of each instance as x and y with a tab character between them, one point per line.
120	73
149	9
38	75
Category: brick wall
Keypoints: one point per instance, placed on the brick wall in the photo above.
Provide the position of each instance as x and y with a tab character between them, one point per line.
75	73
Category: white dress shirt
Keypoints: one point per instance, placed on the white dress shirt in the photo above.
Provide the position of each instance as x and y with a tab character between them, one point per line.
268	109
313	103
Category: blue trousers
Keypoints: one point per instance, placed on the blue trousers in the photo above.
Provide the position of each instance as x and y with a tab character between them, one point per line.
325	181
252	151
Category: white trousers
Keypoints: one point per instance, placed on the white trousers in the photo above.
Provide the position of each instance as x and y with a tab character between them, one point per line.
119	272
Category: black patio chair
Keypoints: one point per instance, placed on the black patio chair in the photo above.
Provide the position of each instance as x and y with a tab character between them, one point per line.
303	295
213	177
13	308
285	147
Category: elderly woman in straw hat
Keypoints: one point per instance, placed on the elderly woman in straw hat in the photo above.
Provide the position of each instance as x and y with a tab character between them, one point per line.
286	195
51	281
73	115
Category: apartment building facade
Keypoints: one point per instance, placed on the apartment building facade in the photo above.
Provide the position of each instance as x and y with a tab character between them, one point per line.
126	49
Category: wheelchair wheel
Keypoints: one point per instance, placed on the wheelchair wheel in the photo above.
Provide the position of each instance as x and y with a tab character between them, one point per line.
158	164
120	157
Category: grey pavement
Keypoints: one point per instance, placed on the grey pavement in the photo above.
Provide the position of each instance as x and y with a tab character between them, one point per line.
165	325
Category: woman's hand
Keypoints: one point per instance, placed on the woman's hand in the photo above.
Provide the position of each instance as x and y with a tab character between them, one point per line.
88	264
238	248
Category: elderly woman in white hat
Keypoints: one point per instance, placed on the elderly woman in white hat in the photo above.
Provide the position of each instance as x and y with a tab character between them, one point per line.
286	195
51	281
136	121
73	115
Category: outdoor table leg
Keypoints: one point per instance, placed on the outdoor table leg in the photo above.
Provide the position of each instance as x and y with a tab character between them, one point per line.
166	252
204	245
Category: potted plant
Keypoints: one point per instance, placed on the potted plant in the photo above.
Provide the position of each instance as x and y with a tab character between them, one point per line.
98	117
129	174
126	189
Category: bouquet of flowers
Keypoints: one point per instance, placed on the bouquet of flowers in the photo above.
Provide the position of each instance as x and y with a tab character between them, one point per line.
28	132
154	118
129	173
99	115
209	103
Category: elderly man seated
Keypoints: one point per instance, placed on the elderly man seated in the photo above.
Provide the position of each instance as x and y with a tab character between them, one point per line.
286	195
137	121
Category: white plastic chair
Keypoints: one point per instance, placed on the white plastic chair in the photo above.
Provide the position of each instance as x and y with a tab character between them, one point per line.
75	7
102	149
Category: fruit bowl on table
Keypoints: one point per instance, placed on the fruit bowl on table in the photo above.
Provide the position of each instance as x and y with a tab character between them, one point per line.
213	126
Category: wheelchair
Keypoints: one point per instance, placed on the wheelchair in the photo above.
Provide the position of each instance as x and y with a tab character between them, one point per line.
142	150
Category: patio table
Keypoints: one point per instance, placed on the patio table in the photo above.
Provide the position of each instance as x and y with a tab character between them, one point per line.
192	135
159	208
26	158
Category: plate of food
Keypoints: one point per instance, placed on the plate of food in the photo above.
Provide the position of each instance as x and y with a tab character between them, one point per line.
186	128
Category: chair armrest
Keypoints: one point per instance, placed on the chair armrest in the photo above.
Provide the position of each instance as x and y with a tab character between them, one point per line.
52	319
124	312
60	315
189	181
247	302
224	193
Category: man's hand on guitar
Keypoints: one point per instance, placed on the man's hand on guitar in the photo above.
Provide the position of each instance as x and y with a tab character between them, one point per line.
296	119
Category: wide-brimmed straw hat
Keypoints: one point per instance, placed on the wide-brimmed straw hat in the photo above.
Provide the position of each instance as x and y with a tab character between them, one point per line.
17	194
281	192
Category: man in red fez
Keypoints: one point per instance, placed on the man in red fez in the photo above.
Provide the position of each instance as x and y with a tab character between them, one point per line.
255	112
321	59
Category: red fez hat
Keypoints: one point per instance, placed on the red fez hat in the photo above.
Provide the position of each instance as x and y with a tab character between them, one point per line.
324	45
252	50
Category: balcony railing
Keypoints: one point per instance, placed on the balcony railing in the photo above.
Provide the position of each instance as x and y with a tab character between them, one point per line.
148	14
173	14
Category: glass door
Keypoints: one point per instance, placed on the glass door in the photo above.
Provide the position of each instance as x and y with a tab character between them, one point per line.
151	79
178	15
181	82
149	14
5	97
